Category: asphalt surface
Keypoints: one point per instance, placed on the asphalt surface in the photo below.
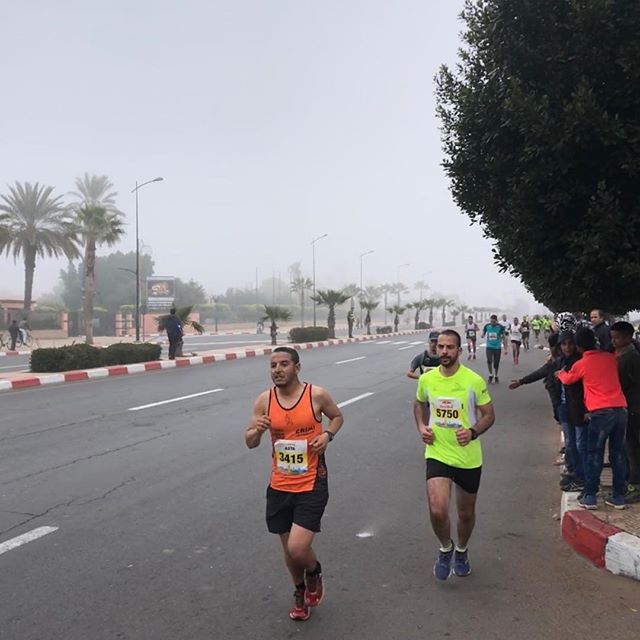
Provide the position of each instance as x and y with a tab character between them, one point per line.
160	515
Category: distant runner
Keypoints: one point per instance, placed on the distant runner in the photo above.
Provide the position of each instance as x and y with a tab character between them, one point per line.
536	325
298	491
516	340
494	333
525	329
452	409
505	336
471	330
425	360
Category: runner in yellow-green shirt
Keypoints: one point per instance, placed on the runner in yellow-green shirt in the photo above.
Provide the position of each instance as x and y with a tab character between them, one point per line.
452	409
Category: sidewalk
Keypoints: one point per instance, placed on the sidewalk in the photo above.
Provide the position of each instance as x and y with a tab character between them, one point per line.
13	381
608	537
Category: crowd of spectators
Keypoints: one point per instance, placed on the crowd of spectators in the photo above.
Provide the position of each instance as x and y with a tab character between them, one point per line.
592	377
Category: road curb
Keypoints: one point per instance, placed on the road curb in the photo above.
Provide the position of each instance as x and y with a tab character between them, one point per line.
604	545
157	365
15	353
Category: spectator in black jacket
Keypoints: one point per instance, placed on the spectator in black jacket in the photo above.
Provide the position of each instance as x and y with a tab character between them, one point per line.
629	373
572	417
601	329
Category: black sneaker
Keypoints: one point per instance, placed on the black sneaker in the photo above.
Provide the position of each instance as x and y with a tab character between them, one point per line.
490	379
573	486
497	380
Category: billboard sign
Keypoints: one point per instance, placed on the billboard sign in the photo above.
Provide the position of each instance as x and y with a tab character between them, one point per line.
160	292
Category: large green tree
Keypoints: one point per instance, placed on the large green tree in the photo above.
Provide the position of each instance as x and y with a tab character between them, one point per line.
33	224
541	133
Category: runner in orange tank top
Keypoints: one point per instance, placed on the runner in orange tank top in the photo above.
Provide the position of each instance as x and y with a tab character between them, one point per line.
298	492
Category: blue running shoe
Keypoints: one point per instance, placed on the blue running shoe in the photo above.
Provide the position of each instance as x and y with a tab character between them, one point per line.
442	567
617	502
588	502
461	566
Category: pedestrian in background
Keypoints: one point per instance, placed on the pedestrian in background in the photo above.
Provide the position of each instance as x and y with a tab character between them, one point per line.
14	332
602	331
174	334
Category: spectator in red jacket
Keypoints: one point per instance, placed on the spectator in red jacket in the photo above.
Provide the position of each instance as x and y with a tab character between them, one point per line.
607	407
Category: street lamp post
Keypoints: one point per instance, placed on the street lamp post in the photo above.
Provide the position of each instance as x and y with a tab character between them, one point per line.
137	187
406	264
313	250
362	255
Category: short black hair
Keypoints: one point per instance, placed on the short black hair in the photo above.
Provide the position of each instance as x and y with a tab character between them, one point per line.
493	316
454	334
295	356
625	328
585	339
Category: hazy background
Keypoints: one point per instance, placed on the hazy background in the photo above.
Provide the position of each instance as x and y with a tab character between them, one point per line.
271	122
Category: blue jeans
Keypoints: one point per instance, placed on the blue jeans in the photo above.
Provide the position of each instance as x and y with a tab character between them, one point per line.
606	424
575	445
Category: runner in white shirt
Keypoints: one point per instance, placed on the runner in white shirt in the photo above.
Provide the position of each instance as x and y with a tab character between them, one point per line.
505	336
516	340
471	332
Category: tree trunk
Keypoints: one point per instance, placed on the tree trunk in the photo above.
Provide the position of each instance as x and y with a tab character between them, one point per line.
431	316
417	318
274	333
89	288
302	307
331	322
386	306
29	269
367	322
444	315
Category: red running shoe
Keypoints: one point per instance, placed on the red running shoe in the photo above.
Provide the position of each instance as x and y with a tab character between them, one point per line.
315	589
300	610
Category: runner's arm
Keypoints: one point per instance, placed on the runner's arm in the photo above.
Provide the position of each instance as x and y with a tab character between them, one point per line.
486	419
415	364
325	403
260	421
421	415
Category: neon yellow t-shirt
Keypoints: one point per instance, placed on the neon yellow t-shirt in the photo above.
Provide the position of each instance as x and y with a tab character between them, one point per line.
452	405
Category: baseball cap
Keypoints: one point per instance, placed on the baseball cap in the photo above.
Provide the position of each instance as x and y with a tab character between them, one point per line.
433	336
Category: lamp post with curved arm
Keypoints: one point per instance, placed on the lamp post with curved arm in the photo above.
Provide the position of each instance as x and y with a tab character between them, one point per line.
135	190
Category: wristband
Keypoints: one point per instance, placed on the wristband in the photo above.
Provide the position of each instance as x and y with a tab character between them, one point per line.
330	433
474	434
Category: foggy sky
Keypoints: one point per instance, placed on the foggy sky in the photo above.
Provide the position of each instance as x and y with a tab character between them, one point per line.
271	121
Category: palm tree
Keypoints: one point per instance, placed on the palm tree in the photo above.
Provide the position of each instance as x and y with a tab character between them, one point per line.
419	306
99	223
299	285
459	310
420	286
33	223
352	290
431	303
275	314
398	288
385	290
330	298
444	303
397	310
369	305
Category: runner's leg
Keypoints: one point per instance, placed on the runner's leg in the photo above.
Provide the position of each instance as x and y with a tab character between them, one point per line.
466	506
438	497
496	360
489	354
298	554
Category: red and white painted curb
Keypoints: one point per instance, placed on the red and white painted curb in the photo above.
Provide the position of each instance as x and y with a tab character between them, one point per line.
157	365
606	546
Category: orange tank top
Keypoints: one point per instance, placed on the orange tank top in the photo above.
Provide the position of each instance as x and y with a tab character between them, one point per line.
294	466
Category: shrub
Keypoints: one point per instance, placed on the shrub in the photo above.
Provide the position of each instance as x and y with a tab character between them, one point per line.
309	334
127	353
84	356
385	329
424	325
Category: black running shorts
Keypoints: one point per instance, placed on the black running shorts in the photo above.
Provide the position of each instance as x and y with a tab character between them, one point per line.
304	509
467	479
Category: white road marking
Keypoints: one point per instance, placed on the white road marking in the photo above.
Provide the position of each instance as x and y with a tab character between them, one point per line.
411	346
417	342
352	400
192	395
351	360
30	536
401	342
381	342
364	534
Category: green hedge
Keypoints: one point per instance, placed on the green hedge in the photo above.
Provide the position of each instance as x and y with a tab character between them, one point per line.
309	334
424	325
386	329
84	356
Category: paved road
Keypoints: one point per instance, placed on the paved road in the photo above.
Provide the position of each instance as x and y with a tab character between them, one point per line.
160	515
